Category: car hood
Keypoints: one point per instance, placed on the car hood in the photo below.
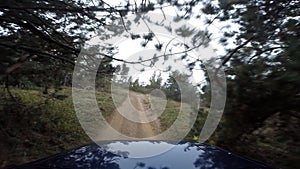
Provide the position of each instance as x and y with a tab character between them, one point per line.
118	155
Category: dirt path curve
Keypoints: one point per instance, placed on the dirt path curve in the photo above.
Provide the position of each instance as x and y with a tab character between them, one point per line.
133	119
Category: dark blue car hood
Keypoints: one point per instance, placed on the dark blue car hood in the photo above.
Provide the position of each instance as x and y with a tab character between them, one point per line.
184	155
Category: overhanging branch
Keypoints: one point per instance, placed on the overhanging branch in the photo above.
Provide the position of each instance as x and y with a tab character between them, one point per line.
235	50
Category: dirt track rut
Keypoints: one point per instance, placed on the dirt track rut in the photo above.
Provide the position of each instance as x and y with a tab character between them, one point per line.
134	107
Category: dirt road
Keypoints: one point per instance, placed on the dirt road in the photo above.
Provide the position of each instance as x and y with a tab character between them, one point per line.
132	118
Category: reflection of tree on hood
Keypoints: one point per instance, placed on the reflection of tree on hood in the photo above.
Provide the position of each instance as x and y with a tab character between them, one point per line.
87	157
212	157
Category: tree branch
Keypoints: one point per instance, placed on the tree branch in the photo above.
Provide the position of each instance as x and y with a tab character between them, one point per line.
28	25
235	50
56	8
266	50
36	51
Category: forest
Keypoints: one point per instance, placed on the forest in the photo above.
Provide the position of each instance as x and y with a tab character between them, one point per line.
49	49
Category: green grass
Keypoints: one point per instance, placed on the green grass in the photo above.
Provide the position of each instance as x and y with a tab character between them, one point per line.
37	125
171	113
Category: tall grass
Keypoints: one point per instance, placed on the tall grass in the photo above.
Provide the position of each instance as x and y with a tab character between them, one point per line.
37	125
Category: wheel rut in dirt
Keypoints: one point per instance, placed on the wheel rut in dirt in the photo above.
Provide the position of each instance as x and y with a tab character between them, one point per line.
135	106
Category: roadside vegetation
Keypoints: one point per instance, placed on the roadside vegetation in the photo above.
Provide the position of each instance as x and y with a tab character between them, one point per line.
36	125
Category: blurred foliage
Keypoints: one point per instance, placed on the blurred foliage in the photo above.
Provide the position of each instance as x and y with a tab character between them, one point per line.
263	79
